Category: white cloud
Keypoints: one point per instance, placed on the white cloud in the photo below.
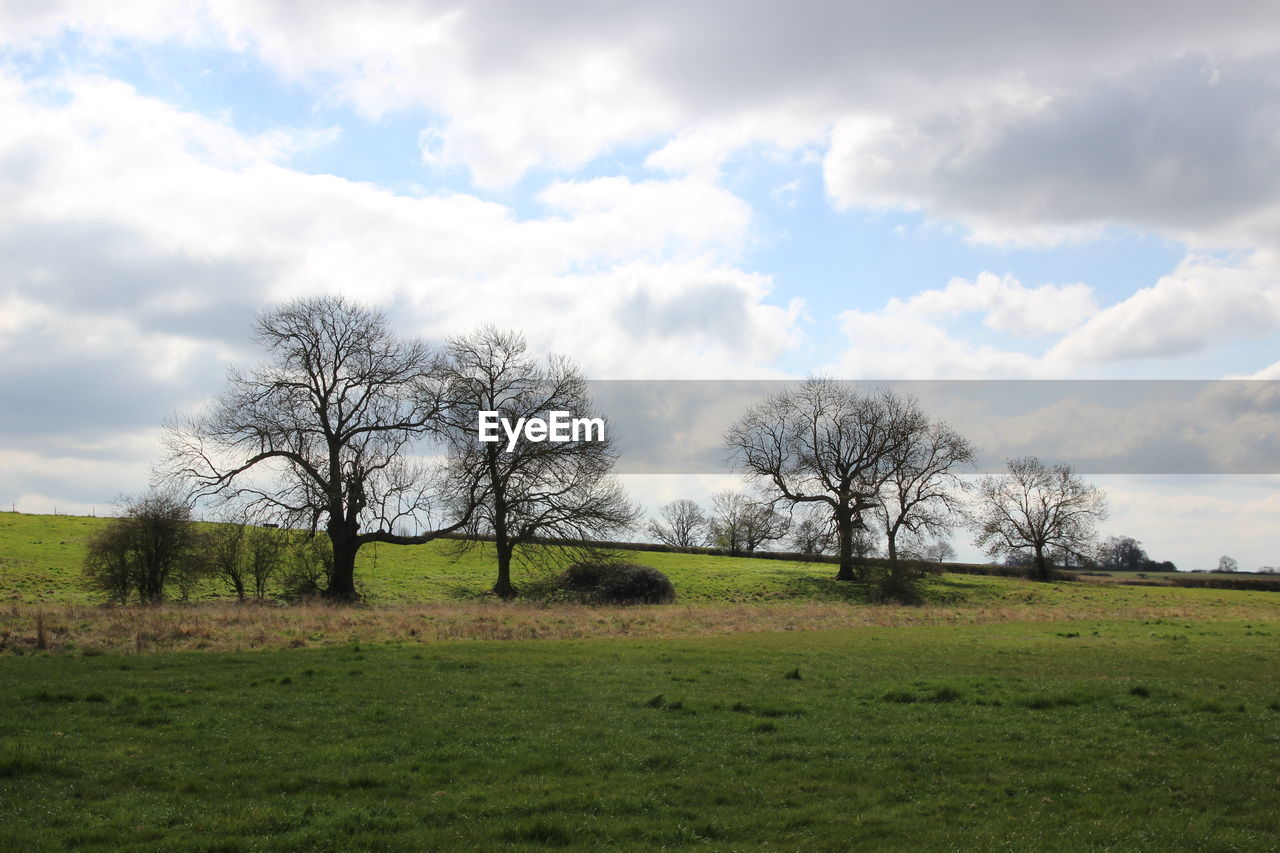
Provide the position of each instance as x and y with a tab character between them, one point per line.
1269	372
1205	302
1006	305
515	86
893	344
1183	145
145	220
1193	521
909	338
1202	303
137	241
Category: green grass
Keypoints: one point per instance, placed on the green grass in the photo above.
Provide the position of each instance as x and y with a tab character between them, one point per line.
1057	736
967	731
41	556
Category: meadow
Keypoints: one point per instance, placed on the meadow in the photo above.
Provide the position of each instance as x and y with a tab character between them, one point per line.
769	709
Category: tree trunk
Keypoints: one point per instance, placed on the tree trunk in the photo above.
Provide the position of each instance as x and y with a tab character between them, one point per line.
503	588
894	584
1042	568
342	581
844	528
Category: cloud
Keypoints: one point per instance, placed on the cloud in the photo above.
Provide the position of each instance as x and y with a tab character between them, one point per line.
1269	372
513	86
138	240
1203	302
1006	305
1183	145
909	338
1194	520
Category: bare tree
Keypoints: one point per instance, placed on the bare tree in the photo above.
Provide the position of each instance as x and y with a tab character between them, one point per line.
562	491
1036	509
921	494
939	551
740	524
321	435
225	550
152	542
680	524
824	443
245	555
811	532
1228	564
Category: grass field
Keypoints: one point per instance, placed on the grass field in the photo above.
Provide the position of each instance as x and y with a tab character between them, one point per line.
1067	736
769	710
41	558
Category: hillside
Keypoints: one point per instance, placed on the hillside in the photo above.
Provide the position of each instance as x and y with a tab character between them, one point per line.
41	556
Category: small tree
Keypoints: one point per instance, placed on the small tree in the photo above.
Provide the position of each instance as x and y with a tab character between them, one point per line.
140	552
812	534
225	553
563	493
1036	509
680	524
1228	564
921	495
1122	554
740	524
939	552
245	555
266	549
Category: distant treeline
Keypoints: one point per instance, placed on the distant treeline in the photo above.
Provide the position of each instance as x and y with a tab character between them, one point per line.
924	566
1270	583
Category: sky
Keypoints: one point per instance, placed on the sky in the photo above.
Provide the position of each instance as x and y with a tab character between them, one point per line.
660	190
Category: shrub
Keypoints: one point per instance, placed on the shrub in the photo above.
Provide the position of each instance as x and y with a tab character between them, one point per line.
307	568
617	583
153	543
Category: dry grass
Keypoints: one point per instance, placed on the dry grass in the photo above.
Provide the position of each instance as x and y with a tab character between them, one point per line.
226	626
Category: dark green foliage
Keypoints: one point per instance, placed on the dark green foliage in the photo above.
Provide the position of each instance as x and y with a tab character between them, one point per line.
1208	581
152	544
603	582
308	565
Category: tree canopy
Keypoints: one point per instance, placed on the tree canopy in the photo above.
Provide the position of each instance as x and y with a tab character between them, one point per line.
322	434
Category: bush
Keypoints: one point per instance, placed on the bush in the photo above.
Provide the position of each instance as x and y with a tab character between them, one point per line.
308	565
616	583
151	544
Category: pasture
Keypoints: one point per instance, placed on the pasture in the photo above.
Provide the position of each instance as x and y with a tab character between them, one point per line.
770	709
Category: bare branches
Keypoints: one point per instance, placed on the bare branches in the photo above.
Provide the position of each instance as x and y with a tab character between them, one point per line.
824	443
680	524
323	433
922	492
740	524
548	490
1037	507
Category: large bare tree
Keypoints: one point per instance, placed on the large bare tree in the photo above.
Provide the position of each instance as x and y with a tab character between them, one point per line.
323	434
1036	509
824	443
557	492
